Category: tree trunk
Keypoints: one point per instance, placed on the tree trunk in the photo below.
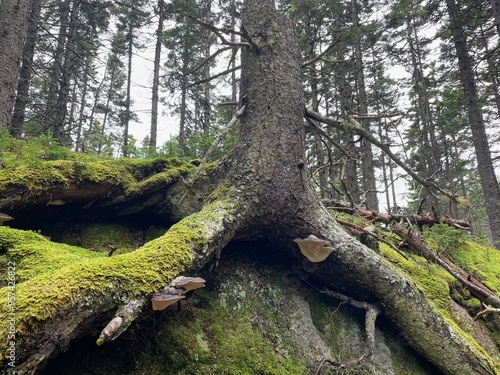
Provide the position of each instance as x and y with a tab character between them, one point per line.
264	190
495	7
156	78
26	71
13	29
367	163
128	99
489	182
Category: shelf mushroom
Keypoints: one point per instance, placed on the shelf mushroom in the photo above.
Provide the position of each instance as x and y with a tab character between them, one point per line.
313	248
176	291
161	301
188	283
4	218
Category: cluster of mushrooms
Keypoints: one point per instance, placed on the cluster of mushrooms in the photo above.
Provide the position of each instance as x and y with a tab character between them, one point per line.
176	291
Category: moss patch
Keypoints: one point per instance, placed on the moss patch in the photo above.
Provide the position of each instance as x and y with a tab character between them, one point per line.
250	319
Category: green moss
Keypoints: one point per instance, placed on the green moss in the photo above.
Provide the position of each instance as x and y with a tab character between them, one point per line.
481	261
80	277
101	237
135	176
436	284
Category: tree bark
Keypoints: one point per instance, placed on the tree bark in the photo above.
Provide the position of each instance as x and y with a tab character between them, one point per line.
489	182
23	86
13	28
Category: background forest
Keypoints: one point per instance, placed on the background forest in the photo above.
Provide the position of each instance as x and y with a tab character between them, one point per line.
421	77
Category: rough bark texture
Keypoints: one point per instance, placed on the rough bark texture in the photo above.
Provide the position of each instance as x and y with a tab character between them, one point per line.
13	28
26	71
489	182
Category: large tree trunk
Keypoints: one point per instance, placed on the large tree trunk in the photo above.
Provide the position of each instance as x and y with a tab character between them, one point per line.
264	191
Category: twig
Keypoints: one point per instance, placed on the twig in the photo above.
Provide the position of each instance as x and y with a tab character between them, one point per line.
206	60
352	126
219	32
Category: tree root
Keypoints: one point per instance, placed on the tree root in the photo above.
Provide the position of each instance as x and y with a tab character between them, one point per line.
372	312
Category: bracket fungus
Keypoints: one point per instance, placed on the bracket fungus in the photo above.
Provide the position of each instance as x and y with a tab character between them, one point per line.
313	248
175	291
161	301
188	283
4	218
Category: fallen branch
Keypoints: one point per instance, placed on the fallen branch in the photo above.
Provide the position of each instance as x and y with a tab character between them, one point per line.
372	312
122	320
476	288
386	218
348	225
487	309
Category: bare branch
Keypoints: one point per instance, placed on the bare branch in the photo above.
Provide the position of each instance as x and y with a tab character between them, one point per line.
321	55
219	32
214	145
215	76
487	309
352	126
206	60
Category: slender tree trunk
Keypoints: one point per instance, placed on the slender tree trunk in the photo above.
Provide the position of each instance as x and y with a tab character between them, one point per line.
206	70
495	8
126	120
489	182
13	28
23	86
60	131
156	78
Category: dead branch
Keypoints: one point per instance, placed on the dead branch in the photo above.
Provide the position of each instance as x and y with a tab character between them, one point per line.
352	126
219	32
122	320
487	309
475	287
215	76
372	312
321	55
206	60
371	233
214	145
373	116
387	218
326	136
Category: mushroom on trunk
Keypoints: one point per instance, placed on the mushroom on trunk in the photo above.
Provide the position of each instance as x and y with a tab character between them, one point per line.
313	248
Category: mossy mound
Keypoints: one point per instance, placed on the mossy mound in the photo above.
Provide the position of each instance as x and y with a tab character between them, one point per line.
253	317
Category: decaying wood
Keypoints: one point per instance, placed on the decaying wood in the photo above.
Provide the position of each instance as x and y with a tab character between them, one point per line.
386	218
476	288
372	312
356	228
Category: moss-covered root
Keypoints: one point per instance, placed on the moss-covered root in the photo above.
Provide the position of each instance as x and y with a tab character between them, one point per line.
424	326
55	307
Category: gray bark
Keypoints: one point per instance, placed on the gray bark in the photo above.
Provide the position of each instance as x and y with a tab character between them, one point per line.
13	28
489	182
26	70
